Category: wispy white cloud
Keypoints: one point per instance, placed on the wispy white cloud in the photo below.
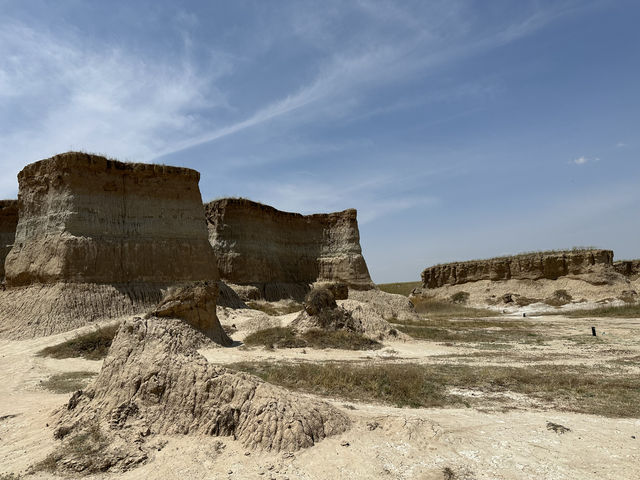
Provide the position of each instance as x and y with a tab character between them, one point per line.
583	160
65	95
344	76
621	145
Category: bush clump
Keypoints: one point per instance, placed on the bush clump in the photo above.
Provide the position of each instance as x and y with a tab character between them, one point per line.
92	346
286	337
460	297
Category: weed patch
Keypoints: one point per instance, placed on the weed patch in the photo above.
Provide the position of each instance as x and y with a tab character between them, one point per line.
285	337
92	346
402	288
67	382
576	389
440	309
276	308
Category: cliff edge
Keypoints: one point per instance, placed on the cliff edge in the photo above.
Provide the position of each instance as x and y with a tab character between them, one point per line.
283	253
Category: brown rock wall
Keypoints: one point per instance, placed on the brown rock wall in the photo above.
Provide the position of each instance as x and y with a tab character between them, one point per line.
84	218
534	266
280	251
628	268
8	223
97	239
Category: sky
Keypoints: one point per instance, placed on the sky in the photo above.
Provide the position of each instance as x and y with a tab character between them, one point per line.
457	129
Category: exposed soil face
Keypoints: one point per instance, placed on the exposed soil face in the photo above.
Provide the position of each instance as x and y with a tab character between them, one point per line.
282	253
531	266
97	239
8	223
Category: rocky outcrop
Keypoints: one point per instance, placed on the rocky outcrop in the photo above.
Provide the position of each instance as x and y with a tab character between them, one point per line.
195	304
283	253
84	218
153	381
8	223
628	268
533	266
123	231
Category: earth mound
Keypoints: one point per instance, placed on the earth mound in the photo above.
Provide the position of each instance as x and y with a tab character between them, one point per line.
321	311
153	381
195	304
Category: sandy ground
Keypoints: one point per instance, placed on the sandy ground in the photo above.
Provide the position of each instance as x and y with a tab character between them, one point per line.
384	442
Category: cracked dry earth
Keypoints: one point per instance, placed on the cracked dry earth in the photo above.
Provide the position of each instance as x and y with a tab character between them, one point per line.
383	441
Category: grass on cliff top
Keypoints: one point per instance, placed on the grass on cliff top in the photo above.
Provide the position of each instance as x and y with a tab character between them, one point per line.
622	311
402	288
576	389
67	382
285	337
524	254
93	345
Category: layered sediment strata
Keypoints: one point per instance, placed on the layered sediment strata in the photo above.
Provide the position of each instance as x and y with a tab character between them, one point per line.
90	223
84	218
8	223
282	253
533	266
628	268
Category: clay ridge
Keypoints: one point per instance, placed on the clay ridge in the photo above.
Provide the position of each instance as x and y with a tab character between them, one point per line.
531	266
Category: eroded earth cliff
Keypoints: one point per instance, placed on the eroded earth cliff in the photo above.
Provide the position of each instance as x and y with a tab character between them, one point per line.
99	238
533	266
8	223
282	253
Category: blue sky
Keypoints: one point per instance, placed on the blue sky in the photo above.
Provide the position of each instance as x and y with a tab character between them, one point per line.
458	129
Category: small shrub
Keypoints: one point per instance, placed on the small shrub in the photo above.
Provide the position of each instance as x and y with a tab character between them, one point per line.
92	346
339	339
280	337
285	337
86	449
275	309
559	298
460	297
67	382
319	299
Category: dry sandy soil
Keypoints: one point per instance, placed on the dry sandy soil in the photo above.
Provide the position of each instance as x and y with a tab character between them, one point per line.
507	438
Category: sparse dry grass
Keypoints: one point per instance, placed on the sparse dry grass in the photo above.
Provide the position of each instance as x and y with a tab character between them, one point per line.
276	309
623	311
402	288
473	330
576	389
433	308
67	382
86	448
92	346
285	337
526	254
